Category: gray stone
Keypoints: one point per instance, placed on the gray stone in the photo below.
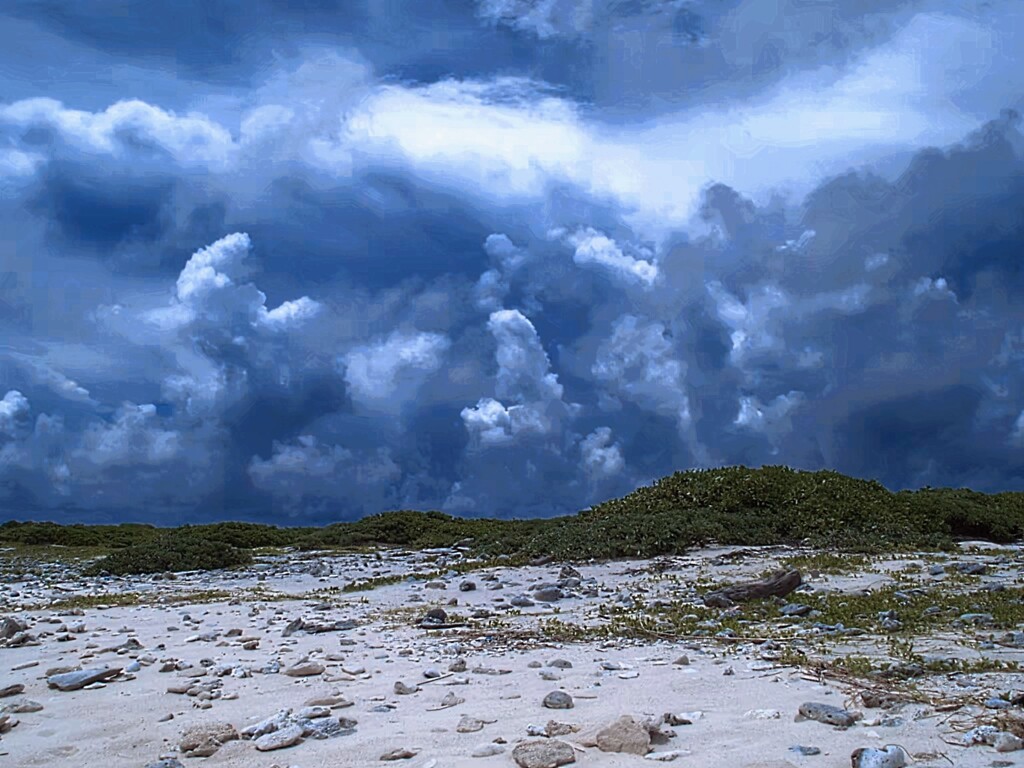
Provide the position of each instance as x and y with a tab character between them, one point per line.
558	700
1008	742
826	713
548	594
167	762
286	737
305	669
73	681
545	753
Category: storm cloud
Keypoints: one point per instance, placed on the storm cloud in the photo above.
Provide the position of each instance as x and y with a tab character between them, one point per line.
310	261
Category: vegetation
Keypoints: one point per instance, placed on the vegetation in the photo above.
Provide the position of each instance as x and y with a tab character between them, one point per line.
731	505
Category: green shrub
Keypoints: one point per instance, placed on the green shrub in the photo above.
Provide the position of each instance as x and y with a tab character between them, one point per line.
171	552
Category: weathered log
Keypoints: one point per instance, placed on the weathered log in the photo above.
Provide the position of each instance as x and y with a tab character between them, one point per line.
779	584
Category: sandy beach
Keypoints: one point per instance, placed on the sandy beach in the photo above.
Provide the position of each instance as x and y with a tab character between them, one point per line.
205	662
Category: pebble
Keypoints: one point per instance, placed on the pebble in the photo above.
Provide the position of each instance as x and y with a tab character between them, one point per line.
487	750
828	714
285	737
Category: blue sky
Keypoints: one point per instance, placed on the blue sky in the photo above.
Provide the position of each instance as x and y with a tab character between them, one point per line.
304	260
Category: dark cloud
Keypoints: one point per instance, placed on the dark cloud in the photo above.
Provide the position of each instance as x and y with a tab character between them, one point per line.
335	292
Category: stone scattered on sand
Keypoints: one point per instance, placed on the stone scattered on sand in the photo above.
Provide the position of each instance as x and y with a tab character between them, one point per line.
286	737
624	735
11	690
205	740
167	762
404	689
22	707
1008	742
468	724
546	753
558	700
305	669
828	714
890	756
399	754
73	681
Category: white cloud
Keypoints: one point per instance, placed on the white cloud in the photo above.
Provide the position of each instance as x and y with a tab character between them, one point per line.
773	419
525	379
208	290
136	436
126	128
385	375
637	362
14	410
524	370
592	247
601	457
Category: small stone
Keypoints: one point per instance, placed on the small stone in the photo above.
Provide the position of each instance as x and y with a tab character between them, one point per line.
558	700
467	586
469	724
285	737
806	751
682	661
560	664
205	740
11	690
403	689
305	669
399	754
1008	742
762	714
667	757
826	713
890	756
545	753
167	762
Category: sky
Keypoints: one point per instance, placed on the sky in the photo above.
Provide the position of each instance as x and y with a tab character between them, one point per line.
299	261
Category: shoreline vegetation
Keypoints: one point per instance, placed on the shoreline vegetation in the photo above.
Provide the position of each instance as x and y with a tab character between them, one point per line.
771	505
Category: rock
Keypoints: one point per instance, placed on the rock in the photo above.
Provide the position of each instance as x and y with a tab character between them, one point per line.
806	751
23	707
762	714
624	735
558	700
73	681
778	584
434	617
11	690
795	609
467	586
286	737
548	594
1008	742
7	723
399	754
305	669
273	723
560	664
459	665
545	753
826	713
469	724
667	757
205	740
403	689
167	762
487	750
11	626
890	756
521	601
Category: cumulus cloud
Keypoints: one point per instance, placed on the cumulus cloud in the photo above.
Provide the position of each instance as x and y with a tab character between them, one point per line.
207	291
601	457
14	410
594	248
638	362
386	375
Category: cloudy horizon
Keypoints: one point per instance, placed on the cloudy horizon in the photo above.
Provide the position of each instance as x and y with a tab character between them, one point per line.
304	261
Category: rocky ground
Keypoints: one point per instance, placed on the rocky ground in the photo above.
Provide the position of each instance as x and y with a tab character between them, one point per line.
422	659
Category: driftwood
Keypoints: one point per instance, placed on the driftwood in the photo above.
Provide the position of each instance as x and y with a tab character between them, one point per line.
778	584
